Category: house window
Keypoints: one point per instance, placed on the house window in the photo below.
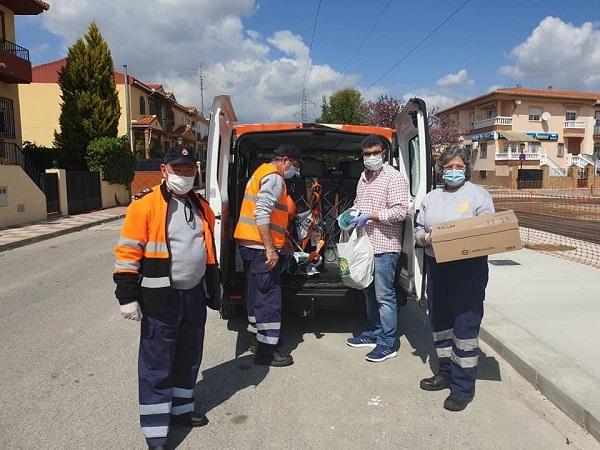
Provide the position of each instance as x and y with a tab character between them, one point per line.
7	118
142	106
535	114
561	150
490	113
482	174
571	115
534	147
597	150
597	117
483	150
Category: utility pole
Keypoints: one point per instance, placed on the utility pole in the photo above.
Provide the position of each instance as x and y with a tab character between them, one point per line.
202	89
303	113
128	110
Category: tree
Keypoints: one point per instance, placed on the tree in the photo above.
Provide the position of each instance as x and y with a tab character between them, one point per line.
90	103
383	111
443	132
111	157
344	106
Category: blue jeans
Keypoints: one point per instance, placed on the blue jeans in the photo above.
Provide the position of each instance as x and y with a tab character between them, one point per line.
382	307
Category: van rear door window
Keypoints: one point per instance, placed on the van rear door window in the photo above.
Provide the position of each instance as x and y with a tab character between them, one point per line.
414	158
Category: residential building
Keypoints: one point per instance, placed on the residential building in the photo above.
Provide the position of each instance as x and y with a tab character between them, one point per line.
529	128
21	200
158	120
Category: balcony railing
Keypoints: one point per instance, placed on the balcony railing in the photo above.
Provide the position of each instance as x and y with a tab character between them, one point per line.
514	156
14	49
492	121
574	124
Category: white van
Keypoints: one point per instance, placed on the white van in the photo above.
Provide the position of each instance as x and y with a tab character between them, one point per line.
332	160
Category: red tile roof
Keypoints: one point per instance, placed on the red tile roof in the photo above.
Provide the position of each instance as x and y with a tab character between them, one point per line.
527	92
144	120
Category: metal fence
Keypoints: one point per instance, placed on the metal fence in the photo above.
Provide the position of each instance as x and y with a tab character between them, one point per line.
561	222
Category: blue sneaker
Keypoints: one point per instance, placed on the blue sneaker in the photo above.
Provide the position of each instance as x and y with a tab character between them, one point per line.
381	353
361	341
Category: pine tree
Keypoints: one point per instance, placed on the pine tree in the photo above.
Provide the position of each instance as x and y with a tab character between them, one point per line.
90	104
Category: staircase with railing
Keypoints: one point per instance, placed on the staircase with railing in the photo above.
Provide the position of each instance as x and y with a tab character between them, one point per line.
555	169
12	155
581	161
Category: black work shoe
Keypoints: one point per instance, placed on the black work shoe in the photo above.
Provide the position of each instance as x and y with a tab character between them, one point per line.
159	447
269	355
457	403
253	347
195	420
437	382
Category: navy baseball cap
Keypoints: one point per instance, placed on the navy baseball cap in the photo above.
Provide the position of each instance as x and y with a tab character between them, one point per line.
291	151
181	154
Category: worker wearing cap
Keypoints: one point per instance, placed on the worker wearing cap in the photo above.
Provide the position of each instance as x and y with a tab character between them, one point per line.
261	235
167	274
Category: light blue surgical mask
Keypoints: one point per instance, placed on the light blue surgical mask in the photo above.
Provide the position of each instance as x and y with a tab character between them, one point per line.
454	177
290	173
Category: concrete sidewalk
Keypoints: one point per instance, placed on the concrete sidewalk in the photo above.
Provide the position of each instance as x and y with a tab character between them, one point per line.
19	236
543	317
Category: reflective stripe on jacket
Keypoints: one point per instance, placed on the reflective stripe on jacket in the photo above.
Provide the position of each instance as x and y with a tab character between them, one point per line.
246	229
143	257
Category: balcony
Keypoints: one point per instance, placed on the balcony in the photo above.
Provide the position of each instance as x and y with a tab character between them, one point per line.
492	122
514	156
573	124
15	66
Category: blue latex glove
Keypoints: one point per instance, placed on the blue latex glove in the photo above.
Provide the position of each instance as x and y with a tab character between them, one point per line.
361	221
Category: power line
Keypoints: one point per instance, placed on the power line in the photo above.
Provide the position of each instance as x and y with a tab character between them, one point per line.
421	42
367	35
303	102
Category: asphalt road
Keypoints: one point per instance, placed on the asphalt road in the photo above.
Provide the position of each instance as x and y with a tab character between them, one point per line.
68	375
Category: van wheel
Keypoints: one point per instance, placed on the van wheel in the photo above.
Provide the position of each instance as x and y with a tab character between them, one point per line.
229	311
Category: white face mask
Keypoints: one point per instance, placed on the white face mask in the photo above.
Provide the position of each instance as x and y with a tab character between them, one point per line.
178	184
373	162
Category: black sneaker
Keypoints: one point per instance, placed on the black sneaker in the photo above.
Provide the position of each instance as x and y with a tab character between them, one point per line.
270	355
253	347
438	382
194	420
457	402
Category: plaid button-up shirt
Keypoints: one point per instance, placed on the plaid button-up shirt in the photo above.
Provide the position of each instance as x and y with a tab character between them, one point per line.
385	193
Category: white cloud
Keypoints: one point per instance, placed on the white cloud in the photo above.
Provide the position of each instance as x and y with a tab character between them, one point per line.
455	79
558	53
433	99
169	46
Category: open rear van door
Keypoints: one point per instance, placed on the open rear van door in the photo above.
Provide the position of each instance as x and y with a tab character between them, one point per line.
413	154
222	119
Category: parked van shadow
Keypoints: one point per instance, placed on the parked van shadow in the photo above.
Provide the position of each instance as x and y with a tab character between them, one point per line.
219	384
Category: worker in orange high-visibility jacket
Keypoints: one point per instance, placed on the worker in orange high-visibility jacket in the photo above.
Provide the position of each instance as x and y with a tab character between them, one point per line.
261	235
167	273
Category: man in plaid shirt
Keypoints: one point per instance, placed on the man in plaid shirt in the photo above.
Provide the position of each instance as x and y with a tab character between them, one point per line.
382	199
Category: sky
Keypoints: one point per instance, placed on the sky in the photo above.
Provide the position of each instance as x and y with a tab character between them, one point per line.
258	51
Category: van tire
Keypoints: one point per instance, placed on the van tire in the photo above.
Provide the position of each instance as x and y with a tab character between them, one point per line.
229	311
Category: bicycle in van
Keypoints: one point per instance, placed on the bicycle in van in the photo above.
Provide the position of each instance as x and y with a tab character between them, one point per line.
331	170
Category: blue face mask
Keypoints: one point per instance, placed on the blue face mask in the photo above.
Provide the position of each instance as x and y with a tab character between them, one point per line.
454	177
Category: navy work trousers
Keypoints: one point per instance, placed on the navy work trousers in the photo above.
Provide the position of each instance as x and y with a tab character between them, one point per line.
263	295
455	293
169	358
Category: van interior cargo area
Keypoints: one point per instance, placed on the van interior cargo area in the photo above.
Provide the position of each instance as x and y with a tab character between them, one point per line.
325	188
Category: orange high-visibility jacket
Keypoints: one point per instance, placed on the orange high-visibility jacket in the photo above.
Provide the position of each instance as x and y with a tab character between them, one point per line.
246	229
143	255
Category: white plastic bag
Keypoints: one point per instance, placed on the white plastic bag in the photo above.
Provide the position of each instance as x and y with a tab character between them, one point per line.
356	261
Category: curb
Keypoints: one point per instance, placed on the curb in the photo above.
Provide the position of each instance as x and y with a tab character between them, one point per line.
579	408
53	234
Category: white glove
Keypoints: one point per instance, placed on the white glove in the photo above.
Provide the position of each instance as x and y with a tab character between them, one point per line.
132	311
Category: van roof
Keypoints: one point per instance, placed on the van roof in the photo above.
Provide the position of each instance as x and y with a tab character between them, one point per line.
242	129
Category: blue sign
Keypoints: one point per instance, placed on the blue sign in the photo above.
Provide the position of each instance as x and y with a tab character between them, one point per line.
543	136
522	157
490	135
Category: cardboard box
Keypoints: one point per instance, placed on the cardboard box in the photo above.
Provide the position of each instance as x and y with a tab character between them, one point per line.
476	236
